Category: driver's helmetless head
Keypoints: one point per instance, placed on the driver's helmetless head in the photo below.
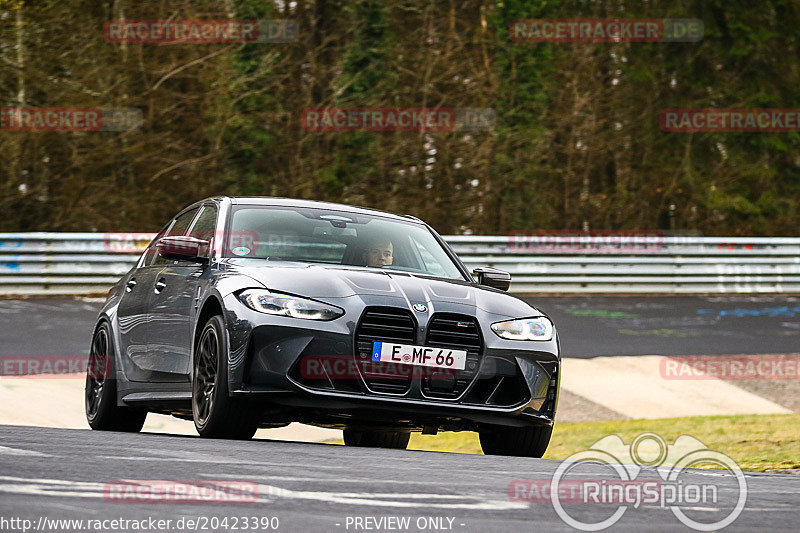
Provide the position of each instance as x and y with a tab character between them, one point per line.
379	253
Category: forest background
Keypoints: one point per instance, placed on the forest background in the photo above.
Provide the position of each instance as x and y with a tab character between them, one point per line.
576	145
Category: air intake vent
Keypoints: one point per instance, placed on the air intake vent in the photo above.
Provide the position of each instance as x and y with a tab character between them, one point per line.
386	324
458	332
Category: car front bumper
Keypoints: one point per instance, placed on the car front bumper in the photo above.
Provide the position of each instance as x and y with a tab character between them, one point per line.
516	383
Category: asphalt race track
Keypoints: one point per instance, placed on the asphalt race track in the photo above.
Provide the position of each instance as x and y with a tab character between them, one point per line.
61	474
589	326
48	473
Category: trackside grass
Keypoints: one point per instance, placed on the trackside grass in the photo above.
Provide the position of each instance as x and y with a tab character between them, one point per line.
756	442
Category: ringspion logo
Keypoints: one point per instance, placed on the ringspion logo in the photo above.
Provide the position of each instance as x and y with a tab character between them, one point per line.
200	31
648	471
606	30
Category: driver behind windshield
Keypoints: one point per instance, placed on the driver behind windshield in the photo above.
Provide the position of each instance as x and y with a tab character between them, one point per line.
379	253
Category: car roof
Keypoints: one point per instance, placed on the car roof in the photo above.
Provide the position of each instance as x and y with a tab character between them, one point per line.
311	204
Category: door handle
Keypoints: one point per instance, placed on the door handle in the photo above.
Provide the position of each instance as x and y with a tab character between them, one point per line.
161	285
130	285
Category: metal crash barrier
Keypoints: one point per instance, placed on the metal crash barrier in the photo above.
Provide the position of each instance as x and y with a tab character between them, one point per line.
89	263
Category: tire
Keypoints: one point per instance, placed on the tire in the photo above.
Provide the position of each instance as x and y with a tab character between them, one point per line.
397	440
529	441
215	413
100	392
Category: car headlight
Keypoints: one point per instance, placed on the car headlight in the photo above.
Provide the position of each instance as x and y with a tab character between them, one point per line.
274	303
525	329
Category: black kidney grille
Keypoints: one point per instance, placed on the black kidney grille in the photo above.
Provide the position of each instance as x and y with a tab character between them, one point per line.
386	324
459	332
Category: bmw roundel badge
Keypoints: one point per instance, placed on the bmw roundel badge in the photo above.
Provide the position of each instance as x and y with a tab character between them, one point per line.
421	308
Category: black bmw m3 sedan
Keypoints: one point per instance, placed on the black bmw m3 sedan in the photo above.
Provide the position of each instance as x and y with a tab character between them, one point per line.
247	313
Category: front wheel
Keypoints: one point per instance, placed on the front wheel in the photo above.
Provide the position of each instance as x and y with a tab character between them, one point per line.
100	393
377	439
215	413
528	441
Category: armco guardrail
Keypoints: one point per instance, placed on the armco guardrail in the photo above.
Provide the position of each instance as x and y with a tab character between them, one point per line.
66	263
83	263
649	264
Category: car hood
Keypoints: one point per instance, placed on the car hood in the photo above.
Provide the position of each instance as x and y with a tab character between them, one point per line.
326	282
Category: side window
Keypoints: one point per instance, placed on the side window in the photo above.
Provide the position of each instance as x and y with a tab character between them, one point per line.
182	223
205	225
151	251
178	228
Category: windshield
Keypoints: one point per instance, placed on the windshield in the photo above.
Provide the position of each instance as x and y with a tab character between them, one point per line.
338	238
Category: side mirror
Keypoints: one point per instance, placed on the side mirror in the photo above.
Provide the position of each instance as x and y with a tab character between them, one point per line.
182	248
492	277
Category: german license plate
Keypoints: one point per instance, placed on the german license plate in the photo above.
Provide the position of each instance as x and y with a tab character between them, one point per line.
387	352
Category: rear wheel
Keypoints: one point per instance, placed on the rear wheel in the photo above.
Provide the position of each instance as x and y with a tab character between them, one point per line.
215	413
377	439
102	411
529	441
